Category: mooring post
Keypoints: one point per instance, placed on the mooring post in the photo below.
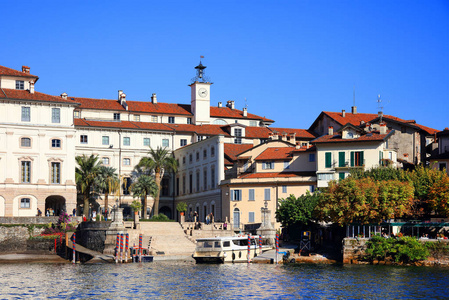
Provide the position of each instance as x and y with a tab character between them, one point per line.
249	248
117	247
74	251
277	247
140	248
126	247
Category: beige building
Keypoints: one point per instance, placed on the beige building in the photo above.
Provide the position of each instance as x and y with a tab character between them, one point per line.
440	160
37	139
352	148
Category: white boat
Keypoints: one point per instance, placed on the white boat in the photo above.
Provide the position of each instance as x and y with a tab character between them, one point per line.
227	249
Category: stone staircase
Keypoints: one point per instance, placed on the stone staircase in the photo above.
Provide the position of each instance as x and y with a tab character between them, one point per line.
166	239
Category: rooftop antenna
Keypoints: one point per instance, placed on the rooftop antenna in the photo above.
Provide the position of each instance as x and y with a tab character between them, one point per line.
353	96
246	105
380	107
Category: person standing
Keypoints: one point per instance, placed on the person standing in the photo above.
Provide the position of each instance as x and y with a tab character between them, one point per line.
74	212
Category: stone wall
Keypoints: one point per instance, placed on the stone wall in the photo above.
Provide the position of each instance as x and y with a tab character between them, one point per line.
14	238
28	220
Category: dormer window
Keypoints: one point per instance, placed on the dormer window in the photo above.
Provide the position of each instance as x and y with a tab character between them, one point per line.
349	135
20	85
117	116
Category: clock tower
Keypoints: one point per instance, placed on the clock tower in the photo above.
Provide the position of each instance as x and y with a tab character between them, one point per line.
200	97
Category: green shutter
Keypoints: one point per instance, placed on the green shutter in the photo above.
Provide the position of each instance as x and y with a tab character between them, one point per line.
362	161
341	159
352	159
341	175
328	160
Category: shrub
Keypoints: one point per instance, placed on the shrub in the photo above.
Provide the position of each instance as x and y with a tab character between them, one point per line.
160	218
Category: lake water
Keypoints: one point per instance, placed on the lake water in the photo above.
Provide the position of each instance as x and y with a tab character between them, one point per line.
185	280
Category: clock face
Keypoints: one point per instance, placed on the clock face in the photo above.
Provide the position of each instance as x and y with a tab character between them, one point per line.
202	92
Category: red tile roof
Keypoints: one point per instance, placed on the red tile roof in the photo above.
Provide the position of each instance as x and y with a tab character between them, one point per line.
200	129
276	153
226	112
11	72
301	133
122	124
232	150
356	119
370	137
257	132
26	95
276	175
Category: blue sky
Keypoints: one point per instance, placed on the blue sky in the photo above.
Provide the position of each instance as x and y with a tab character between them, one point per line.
289	59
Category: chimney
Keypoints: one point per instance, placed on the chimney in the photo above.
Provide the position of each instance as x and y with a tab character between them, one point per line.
330	130
220	104
284	136
26	69
245	112
31	87
270	135
383	128
354	110
120	92
64	96
380	114
154	98
343	113
298	145
292	137
230	104
275	135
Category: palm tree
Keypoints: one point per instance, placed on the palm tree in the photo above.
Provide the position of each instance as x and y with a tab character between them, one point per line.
85	174
106	182
144	186
159	161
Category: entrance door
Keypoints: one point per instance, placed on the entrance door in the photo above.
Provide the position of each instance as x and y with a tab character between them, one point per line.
236	218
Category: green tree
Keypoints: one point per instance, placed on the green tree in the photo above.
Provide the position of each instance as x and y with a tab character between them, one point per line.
159	161
364	201
438	197
106	182
144	186
85	174
297	210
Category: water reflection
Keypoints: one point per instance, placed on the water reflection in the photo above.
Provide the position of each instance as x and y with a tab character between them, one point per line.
184	280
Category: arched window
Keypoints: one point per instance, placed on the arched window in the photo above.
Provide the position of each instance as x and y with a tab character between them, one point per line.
220	122
25	142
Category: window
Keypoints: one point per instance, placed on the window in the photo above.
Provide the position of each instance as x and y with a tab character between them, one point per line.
204	153
76	114
403	129
197	156
357	159
267	194
267	165
83	139
183	142
312	188
136	118
184	160
25	203
146	142
56	143
105	140
56	115
252	123
251	217
55	172
190	158
284	189
212	151
25	176
126	185
126	141
238	134
171	120
326	176
238	140
328	160
341	159
251	195
177	186
204	179
286	165
183	184
311	157
236	195
189	120
212	177
26	114
442	166
165	143
20	85
105	161
116	116
190	183
126	161
197	181
165	190
25	142
154	119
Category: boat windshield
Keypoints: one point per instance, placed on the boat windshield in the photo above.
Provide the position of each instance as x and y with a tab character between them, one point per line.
243	242
208	245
